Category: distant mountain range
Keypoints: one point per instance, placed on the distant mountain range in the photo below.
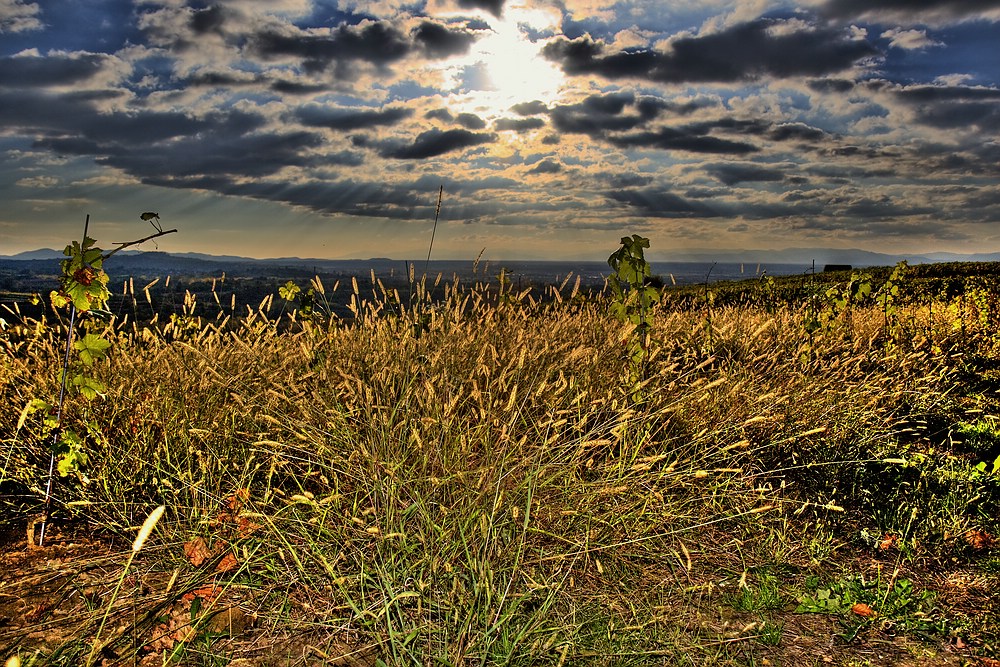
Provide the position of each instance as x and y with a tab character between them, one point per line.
857	258
194	261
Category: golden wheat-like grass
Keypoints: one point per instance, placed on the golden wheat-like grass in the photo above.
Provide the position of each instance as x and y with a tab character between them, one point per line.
489	490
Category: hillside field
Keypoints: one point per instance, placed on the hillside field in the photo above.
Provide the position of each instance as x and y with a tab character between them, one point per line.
800	471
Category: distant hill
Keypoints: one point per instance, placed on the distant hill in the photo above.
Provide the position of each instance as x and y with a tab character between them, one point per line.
137	263
821	256
41	253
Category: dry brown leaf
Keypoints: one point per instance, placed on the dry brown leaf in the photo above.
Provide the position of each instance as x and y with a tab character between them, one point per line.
861	609
239	498
197	551
205	593
36	613
888	542
245	527
228	563
978	539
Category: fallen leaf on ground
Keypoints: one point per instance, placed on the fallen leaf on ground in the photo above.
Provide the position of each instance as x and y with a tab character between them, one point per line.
978	539
888	542
205	592
861	609
227	564
197	551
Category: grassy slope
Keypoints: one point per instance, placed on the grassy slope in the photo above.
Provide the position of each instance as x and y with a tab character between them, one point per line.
489	493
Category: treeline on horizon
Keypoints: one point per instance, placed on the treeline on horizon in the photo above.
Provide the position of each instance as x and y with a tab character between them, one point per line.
24	293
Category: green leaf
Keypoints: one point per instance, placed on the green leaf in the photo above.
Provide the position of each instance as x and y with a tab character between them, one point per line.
88	387
58	299
70	452
289	291
91	348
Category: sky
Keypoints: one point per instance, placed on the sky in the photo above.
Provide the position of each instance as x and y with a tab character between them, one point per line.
325	128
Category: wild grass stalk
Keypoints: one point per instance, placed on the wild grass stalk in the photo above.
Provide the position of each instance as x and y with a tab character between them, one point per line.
485	493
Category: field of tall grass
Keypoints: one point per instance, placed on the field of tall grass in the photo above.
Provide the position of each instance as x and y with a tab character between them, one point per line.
477	480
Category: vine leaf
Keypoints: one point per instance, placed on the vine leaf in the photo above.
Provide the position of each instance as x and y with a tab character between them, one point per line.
91	348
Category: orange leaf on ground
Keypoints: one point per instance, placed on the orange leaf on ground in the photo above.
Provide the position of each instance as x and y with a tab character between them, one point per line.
197	551
238	499
978	539
245	527
228	563
205	593
861	609
888	542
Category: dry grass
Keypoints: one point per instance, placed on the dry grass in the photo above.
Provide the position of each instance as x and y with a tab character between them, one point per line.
488	493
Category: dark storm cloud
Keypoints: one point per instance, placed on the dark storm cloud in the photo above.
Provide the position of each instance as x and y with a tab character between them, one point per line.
599	114
440	114
950	8
532	108
379	43
682	139
436	142
519	124
440	42
314	115
237	156
795	132
546	166
470	121
210	19
831	85
656	203
226	79
494	7
156	144
46	115
412	201
296	88
745	51
731	174
53	70
959	107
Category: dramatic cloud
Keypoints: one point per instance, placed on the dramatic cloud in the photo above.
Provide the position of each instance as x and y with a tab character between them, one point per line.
437	142
743	52
914	11
555	127
315	115
494	7
659	204
18	16
731	174
30	71
378	43
688	139
441	42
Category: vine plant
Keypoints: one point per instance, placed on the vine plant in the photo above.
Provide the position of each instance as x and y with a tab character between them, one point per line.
633	302
83	289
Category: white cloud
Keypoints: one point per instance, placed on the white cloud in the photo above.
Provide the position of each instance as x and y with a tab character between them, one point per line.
953	79
38	182
909	39
17	16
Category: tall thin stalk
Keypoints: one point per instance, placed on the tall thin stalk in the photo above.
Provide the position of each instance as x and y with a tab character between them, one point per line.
437	214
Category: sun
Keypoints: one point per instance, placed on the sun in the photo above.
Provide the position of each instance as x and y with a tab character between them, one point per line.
506	67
